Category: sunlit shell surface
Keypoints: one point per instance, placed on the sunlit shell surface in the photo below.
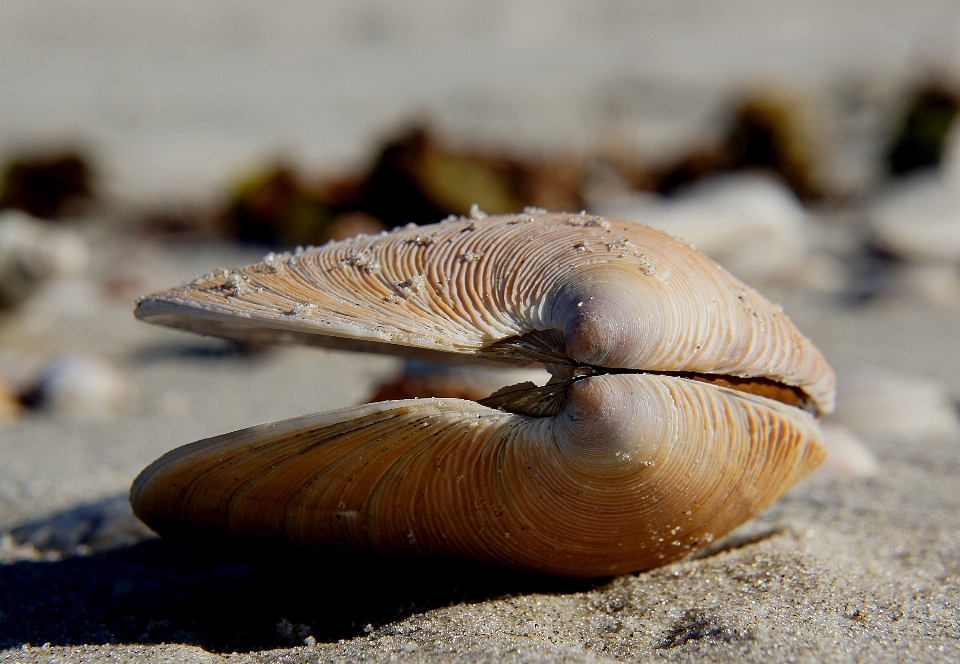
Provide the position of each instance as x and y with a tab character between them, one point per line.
683	403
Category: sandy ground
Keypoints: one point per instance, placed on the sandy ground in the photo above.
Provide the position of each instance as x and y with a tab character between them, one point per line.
859	569
173	103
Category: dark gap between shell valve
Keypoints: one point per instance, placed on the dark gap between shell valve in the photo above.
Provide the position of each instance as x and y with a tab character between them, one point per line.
543	346
549	400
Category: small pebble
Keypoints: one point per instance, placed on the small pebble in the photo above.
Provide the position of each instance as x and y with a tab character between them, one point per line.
82	385
33	251
879	403
919	220
848	457
751	224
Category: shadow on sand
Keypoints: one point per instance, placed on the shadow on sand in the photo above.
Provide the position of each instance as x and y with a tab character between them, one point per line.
155	591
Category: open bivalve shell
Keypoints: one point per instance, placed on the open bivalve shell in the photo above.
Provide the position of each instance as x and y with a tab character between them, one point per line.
682	402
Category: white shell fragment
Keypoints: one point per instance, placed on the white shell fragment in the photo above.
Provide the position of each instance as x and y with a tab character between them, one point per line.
752	224
935	283
881	403
847	457
919	222
920	219
682	403
32	251
83	385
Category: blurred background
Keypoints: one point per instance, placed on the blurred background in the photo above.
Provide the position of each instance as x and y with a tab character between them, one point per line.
810	146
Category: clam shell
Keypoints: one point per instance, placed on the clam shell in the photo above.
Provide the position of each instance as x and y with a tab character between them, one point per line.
682	402
635	471
549	287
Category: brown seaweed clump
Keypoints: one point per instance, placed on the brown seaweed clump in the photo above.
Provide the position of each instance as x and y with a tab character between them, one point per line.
765	133
278	206
48	186
415	178
922	134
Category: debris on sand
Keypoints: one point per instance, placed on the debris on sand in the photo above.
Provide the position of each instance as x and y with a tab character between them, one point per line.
80	385
921	138
767	131
415	177
48	186
33	251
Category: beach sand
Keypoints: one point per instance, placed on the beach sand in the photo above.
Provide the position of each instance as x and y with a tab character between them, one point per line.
173	104
849	570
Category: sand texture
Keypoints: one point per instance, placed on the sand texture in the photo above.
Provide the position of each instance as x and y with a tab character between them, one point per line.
844	570
173	101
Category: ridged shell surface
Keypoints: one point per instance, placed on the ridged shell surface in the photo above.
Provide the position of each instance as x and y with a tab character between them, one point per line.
548	287
635	471
637	455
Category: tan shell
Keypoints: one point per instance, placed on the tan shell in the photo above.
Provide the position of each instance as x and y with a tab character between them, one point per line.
607	472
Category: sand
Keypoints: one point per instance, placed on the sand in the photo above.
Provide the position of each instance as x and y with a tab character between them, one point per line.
174	103
854	569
